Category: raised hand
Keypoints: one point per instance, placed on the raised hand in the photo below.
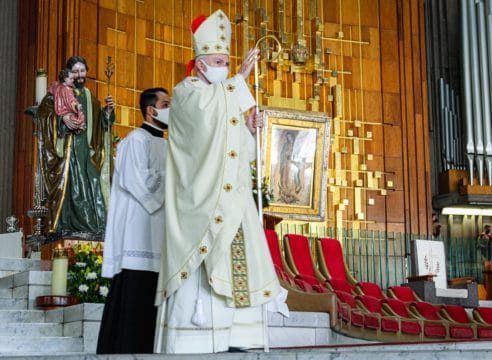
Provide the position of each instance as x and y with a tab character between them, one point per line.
249	62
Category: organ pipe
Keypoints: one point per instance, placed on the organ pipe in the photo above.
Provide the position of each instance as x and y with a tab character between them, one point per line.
466	84
476	93
484	75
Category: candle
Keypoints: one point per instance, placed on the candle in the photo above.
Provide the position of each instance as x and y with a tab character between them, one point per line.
41	85
59	272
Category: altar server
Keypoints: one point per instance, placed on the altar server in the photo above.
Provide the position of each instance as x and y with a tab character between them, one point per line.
135	232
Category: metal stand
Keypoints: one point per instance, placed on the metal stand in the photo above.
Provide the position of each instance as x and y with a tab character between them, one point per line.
39	211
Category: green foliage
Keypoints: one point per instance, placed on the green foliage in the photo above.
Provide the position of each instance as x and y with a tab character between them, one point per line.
266	191
116	139
84	273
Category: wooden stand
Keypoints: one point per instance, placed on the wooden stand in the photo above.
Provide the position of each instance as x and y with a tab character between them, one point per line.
270	221
49	302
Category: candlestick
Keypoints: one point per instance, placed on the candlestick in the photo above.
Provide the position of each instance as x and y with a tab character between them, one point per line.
41	85
59	272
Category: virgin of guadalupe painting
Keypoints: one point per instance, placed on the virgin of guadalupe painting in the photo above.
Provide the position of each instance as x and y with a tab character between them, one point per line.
295	156
292	163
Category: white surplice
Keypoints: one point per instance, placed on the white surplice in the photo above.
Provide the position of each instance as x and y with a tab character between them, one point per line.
136	223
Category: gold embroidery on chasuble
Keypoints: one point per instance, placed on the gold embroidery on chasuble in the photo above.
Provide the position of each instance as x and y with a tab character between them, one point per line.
240	287
203	250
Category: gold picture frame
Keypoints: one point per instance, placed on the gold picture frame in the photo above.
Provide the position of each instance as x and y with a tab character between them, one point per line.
295	161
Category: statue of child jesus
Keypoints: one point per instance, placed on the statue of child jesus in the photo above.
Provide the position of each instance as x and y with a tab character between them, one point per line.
66	106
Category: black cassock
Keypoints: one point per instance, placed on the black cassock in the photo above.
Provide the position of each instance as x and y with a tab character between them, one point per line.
129	316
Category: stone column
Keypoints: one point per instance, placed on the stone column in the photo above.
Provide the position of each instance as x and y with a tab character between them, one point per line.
8	73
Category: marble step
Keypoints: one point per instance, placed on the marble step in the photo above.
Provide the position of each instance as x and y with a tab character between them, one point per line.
5	293
21	316
36	346
18	265
26	285
30	277
13	304
31	329
437	351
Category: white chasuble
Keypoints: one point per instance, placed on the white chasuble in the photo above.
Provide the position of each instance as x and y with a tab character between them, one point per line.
211	218
135	225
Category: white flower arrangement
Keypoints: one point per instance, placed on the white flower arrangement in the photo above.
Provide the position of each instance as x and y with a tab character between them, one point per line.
84	273
91	276
103	291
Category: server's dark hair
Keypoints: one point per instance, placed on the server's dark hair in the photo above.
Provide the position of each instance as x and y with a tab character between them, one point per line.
149	98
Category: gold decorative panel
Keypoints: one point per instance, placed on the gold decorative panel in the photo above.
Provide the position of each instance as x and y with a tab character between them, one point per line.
348	59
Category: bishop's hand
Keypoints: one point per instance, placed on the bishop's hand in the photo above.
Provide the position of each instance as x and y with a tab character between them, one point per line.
249	62
255	120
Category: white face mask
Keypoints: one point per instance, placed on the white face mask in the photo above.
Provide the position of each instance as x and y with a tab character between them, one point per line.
216	74
162	115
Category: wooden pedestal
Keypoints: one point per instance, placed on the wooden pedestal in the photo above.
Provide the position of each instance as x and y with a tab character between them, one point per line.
48	302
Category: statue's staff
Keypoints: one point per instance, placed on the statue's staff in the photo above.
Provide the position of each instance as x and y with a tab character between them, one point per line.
106	175
109	72
259	179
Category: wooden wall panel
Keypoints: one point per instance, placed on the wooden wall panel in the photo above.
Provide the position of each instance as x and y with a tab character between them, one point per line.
391	109
373	49
394	172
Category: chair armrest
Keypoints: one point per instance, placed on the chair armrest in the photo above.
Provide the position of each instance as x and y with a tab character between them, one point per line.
461	281
303	285
310	279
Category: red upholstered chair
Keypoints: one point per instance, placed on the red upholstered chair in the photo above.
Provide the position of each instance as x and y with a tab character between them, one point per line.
409	325
302	296
376	318
340	285
483	315
403	293
278	262
300	261
373	315
462	323
347	310
460	326
435	326
369	289
332	265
